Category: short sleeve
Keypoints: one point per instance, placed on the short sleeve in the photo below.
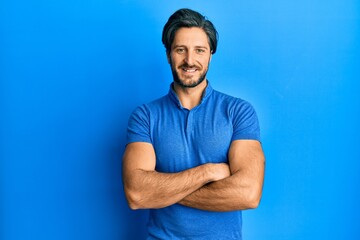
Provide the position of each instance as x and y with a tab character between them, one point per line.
139	126
245	122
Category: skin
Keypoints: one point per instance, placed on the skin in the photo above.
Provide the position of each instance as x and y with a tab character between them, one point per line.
242	189
213	187
189	59
147	188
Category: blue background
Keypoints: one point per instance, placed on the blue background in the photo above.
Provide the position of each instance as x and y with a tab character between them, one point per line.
72	72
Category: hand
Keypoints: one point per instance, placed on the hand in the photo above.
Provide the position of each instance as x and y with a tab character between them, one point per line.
219	171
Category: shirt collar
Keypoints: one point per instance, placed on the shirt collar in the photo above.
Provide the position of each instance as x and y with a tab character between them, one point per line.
172	94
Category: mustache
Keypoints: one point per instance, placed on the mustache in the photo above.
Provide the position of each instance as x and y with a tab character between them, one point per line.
189	66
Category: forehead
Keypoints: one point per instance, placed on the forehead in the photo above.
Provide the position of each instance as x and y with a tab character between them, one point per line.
193	36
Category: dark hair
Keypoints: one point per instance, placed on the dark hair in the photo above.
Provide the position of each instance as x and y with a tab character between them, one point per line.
188	18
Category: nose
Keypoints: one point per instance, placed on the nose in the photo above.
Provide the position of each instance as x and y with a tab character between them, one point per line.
190	58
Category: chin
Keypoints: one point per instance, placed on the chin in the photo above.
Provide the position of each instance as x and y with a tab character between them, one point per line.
188	84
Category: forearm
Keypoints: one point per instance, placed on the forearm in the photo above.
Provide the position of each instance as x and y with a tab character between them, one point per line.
232	193
152	189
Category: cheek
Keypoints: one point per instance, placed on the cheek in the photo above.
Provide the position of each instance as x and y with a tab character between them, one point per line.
173	60
205	63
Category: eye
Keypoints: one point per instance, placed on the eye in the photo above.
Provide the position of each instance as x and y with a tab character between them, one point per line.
180	50
200	50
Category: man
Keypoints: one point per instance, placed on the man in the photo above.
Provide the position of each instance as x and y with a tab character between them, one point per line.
193	157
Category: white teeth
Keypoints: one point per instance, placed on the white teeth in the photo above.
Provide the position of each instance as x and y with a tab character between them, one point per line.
190	70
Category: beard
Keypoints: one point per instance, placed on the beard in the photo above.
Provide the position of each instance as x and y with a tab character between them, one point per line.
182	82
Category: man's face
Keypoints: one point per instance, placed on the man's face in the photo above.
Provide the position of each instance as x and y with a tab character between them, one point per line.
189	56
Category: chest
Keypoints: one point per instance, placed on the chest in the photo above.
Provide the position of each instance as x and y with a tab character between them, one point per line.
185	139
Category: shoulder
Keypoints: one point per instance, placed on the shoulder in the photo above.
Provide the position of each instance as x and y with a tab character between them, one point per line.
242	115
230	102
164	100
148	108
141	120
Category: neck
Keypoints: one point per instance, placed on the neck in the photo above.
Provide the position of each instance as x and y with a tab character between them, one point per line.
190	97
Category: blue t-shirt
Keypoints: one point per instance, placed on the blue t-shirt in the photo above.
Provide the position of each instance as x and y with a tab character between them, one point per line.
184	139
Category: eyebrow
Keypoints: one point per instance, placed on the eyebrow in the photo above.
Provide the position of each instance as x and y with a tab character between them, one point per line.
177	46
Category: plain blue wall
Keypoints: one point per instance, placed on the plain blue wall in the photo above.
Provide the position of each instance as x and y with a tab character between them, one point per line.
72	72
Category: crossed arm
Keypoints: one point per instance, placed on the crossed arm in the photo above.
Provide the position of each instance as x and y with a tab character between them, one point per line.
213	187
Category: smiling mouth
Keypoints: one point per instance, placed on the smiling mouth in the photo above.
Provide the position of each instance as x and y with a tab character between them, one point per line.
189	69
